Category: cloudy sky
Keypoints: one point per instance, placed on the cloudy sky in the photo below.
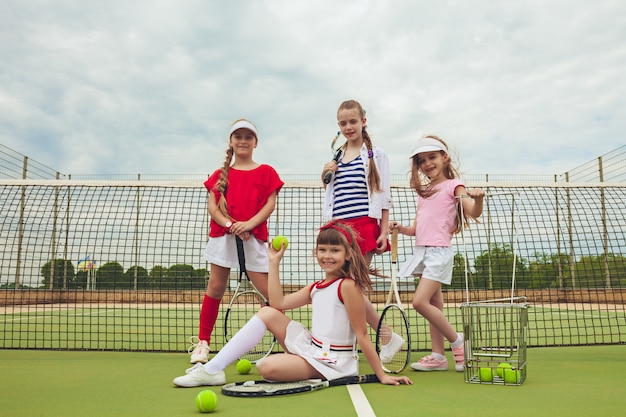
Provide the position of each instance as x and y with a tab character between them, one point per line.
151	86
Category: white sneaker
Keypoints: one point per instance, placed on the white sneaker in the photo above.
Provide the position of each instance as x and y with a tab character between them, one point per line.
388	351
199	350
196	376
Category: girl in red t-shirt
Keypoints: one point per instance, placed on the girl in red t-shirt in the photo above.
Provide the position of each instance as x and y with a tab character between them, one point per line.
242	195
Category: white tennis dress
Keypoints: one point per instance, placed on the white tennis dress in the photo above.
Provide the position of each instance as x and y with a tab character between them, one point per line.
331	345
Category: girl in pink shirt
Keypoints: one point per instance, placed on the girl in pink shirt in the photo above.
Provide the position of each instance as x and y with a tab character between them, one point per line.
436	182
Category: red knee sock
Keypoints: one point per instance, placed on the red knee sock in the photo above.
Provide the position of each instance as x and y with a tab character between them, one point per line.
208	317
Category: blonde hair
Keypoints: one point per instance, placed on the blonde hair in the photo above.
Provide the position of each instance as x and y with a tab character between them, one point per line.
373	177
421	183
222	183
335	233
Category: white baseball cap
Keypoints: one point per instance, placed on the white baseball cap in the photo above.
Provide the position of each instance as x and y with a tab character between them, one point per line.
428	145
243	124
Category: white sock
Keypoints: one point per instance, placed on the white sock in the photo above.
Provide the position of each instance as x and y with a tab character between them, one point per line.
245	339
458	342
438	356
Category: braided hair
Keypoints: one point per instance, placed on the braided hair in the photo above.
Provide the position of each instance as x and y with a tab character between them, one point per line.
222	183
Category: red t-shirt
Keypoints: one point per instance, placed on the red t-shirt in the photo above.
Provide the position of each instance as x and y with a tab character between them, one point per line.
246	193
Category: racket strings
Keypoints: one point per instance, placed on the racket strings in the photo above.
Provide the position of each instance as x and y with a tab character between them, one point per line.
269	386
393	339
241	309
265	388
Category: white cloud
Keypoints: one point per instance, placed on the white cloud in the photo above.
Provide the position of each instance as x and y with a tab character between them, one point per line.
151	87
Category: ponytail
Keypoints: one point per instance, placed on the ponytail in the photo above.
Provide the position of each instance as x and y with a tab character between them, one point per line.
373	177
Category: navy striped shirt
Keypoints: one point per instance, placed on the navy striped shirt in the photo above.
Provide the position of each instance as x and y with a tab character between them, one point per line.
350	189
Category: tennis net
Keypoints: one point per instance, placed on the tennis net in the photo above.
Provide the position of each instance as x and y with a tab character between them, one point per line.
117	265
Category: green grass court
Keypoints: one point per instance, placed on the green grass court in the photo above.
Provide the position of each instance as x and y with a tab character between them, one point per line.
103	360
572	381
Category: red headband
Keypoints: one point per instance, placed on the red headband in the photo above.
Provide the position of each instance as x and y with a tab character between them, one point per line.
339	229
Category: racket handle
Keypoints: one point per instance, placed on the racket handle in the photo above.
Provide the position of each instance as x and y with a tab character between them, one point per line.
394	245
365	379
328	176
349	380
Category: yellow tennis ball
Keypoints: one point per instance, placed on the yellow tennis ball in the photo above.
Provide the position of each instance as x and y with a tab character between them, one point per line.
511	376
502	367
206	401
244	366
485	374
278	240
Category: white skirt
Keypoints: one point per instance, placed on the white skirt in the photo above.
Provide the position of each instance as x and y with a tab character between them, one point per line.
429	262
331	364
222	251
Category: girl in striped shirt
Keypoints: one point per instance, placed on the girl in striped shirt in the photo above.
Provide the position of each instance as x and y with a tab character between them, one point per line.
359	194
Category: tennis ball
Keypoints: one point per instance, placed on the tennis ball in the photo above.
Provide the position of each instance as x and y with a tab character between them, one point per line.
278	240
511	376
206	401
485	374
502	367
244	366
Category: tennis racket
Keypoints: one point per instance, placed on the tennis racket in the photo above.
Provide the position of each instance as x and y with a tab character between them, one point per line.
393	340
266	388
337	153
246	301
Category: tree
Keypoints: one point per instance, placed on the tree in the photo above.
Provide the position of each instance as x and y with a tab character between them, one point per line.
591	271
60	273
142	277
549	271
494	268
157	277
11	286
200	278
81	278
110	276
458	272
180	276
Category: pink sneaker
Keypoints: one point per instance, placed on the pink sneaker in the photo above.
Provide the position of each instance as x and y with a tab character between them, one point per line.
459	358
430	363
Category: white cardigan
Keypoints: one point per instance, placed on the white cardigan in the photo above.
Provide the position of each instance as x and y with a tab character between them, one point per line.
379	200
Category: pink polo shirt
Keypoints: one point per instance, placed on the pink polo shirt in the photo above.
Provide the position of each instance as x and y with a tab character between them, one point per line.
436	215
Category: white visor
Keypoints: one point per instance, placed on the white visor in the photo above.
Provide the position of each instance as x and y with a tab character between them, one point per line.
428	145
244	124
